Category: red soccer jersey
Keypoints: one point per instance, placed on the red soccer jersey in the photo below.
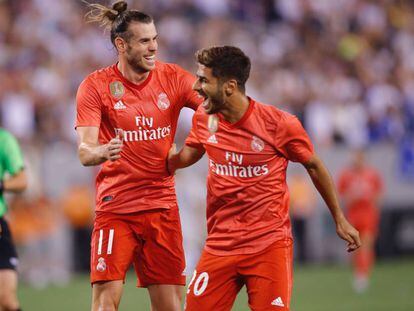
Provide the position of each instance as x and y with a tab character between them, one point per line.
360	187
148	114
247	195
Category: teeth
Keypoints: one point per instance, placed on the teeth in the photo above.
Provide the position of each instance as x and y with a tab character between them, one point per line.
206	103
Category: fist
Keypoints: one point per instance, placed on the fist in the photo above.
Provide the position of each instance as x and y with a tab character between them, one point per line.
114	147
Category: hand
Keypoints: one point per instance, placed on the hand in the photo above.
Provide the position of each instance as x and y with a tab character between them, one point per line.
348	233
113	149
171	153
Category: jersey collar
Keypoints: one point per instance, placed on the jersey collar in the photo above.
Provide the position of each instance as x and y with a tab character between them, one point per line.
134	86
243	118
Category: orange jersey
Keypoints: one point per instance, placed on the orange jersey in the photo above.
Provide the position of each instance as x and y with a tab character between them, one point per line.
247	195
147	113
360	187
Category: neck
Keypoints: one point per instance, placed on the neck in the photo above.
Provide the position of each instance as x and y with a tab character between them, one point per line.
235	108
130	74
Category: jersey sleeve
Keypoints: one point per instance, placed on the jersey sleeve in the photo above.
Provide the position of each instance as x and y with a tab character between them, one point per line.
293	141
12	158
88	105
191	99
193	140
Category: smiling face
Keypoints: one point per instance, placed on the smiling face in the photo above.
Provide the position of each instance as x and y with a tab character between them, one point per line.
211	88
140	48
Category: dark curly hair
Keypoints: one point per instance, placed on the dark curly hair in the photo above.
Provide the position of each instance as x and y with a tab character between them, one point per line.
226	62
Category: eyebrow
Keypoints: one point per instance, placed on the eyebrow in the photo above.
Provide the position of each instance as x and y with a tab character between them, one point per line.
201	77
147	38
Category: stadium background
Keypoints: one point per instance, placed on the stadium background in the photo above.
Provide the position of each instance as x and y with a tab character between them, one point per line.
344	67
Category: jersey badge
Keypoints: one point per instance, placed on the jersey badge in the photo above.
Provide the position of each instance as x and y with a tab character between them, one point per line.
163	101
212	124
257	144
101	266
212	139
117	89
119	105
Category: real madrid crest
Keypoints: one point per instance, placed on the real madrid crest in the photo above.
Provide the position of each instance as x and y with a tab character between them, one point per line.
163	102
212	123
101	266
117	89
257	144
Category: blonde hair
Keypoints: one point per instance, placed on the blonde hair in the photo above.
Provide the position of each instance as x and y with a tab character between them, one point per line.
103	15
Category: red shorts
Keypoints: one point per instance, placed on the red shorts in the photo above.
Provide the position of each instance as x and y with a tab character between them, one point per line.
267	276
151	240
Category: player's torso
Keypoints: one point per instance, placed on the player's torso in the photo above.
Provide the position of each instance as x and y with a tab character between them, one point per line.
247	193
4	141
362	188
147	115
241	154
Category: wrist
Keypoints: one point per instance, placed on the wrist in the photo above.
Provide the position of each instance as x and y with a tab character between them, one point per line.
170	166
339	217
103	154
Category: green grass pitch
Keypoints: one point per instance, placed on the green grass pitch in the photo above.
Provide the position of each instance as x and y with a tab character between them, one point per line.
325	288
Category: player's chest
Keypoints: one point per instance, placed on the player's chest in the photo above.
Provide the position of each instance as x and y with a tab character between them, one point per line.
242	146
130	108
362	183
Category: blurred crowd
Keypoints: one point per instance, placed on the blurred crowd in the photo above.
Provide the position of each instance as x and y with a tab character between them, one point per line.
344	67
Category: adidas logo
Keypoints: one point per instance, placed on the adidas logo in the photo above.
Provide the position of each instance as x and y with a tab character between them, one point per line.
119	105
278	302
212	139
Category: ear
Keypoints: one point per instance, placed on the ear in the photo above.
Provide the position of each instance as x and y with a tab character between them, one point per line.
120	45
231	87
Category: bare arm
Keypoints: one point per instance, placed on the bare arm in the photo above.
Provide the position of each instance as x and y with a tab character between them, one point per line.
186	157
16	183
90	152
325	186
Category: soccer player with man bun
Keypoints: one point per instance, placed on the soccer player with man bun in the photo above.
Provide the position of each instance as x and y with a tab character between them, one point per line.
249	145
126	121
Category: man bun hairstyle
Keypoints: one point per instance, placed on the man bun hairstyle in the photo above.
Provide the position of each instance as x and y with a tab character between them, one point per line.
226	62
116	18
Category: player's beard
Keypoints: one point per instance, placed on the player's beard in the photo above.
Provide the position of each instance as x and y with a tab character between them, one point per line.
137	62
214	103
